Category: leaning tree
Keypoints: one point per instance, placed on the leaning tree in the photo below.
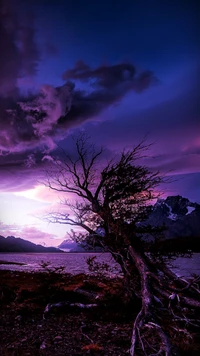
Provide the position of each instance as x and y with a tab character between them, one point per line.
113	201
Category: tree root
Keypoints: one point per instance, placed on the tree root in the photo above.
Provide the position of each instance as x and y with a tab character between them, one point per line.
160	294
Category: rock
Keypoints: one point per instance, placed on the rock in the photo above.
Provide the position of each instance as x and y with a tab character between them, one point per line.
43	346
54	306
89	294
18	318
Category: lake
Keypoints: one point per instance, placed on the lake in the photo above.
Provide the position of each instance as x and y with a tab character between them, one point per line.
76	262
73	262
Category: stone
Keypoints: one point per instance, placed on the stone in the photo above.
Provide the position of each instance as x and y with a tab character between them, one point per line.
43	346
18	318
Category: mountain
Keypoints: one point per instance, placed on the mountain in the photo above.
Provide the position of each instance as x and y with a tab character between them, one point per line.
14	244
180	219
74	247
68	245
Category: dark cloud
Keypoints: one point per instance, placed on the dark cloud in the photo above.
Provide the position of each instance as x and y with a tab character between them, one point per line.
18	176
37	121
18	60
111	77
19	54
25	170
108	85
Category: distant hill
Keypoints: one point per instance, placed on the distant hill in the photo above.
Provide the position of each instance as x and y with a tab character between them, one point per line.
16	244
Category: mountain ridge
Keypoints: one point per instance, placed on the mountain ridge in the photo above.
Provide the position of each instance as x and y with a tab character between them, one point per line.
17	244
180	219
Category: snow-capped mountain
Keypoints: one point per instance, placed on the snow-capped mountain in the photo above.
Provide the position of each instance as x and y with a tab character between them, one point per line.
175	207
180	217
68	245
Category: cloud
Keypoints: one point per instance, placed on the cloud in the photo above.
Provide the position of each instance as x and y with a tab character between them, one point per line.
108	77
105	76
173	121
32	233
16	175
41	119
44	111
19	54
9	229
181	164
41	193
193	148
25	232
18	61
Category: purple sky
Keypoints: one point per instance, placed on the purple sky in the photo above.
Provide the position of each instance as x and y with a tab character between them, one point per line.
119	70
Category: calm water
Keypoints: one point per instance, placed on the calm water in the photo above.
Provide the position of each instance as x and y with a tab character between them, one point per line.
73	262
76	262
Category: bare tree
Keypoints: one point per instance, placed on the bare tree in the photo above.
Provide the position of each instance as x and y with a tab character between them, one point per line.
111	204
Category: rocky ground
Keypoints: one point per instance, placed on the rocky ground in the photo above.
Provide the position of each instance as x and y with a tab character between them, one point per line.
67	329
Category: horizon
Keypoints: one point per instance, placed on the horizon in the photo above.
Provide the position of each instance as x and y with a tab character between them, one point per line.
69	240
117	72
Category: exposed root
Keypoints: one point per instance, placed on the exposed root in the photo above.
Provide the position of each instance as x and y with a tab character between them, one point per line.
64	304
162	294
165	343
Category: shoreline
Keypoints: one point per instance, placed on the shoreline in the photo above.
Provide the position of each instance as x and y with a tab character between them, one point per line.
12	263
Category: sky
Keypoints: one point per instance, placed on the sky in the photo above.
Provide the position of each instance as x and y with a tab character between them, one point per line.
117	70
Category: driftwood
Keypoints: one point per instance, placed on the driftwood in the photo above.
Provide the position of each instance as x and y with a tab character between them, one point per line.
53	306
